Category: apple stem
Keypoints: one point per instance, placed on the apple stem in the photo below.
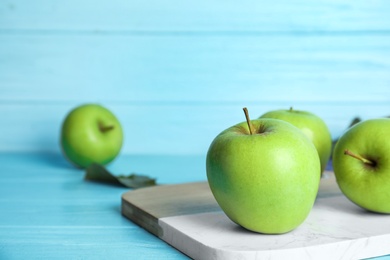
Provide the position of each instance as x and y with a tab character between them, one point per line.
248	121
364	160
105	128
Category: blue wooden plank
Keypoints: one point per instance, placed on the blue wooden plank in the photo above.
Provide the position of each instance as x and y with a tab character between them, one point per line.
168	128
124	69
82	243
176	15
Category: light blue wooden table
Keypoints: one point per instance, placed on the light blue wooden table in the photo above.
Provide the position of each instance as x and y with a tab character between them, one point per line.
49	212
176	74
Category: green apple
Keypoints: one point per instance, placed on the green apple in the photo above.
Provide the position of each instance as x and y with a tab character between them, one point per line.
90	133
264	174
361	163
312	126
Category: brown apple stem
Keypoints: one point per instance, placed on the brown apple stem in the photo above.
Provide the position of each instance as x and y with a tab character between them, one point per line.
364	160
105	128
248	121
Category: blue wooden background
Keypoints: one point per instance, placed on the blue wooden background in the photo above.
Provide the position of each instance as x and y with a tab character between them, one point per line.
176	73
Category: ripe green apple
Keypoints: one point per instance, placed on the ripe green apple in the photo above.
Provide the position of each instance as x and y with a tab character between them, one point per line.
90	133
312	126
264	174
361	163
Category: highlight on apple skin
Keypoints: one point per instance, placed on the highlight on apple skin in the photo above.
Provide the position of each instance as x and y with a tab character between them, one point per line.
90	133
264	174
361	163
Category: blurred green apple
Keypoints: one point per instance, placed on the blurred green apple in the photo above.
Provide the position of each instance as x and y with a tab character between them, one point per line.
312	126
361	163
90	133
264	174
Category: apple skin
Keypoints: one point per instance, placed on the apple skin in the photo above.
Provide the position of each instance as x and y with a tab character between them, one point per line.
312	126
84	142
266	182
366	185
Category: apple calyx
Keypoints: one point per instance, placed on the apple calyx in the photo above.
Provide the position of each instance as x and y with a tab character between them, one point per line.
248	121
356	156
105	128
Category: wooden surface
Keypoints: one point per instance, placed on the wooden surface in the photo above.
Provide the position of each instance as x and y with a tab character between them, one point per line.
188	217
188	68
48	210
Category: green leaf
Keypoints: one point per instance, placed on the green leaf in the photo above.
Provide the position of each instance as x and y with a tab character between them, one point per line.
354	122
98	173
136	181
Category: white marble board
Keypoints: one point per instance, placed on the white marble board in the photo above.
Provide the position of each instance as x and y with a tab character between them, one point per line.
187	217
